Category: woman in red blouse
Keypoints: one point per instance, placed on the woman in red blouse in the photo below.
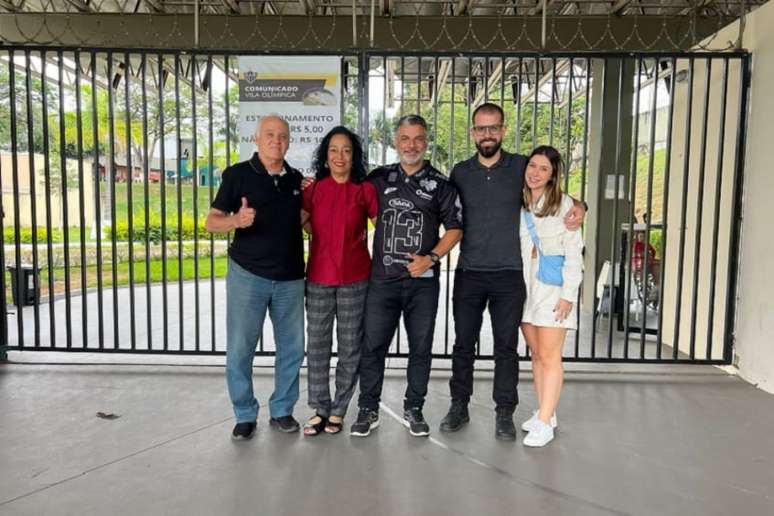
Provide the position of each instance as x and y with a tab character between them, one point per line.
337	207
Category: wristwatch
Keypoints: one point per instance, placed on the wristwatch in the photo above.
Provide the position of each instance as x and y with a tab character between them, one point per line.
434	257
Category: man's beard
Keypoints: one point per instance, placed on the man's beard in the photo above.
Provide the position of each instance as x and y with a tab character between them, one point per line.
488	152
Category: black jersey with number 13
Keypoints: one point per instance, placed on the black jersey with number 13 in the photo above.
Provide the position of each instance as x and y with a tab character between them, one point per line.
411	210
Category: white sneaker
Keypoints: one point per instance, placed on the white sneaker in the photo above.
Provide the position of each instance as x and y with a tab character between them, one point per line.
530	423
540	435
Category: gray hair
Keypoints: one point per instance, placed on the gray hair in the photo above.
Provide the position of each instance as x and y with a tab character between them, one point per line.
268	116
411	120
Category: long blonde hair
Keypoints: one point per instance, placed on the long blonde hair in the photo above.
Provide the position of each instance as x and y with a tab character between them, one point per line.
553	190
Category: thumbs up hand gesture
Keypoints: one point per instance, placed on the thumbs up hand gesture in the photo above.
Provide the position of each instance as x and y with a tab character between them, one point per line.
245	216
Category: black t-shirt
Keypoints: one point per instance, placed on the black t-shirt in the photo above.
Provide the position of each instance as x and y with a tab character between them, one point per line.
491	207
411	210
273	246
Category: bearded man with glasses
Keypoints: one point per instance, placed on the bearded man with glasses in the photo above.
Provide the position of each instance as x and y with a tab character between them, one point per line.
489	270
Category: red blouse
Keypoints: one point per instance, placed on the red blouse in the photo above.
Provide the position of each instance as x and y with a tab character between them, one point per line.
339	213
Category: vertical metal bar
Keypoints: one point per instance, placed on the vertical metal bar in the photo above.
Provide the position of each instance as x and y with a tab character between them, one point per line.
385	133
419	86
81	201
535	102
129	198
16	202
211	195
113	172
700	205
163	196
65	205
665	206
179	191
402	85
736	210
553	101
626	259
364	80
435	112
485	78
517	94
195	179
97	198
598	208
614	243
47	183
568	143
584	165
3	304
649	209
716	222
469	103
146	198
451	164
33	191
684	208
502	84
228	114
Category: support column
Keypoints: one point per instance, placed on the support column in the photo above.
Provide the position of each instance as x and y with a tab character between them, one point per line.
610	149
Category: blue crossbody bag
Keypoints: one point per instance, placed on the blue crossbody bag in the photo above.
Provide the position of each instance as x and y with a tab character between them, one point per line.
549	265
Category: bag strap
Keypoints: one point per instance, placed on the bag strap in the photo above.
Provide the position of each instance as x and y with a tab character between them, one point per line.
530	222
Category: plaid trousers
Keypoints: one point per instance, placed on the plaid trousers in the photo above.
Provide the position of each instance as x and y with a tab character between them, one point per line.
346	304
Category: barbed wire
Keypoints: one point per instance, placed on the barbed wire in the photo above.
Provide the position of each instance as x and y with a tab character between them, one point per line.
282	32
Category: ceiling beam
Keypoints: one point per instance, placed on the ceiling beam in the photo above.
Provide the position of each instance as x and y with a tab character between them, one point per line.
137	30
619	6
8	5
155	6
232	6
82	5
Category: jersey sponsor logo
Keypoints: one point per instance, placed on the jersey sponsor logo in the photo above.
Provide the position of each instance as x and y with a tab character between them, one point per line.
423	195
429	185
389	190
401	204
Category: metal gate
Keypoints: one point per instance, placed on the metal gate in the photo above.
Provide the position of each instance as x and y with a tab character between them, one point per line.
110	159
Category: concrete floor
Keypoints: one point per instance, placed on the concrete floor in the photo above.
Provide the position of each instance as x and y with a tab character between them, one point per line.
657	440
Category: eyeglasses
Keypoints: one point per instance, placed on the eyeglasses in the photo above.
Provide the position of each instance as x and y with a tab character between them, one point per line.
481	130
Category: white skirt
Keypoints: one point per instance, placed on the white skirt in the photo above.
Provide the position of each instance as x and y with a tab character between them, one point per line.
541	300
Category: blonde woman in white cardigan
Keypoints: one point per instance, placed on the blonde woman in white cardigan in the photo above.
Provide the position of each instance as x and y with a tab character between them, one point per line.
552	258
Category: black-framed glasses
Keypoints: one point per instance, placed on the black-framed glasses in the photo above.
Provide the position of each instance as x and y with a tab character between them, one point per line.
481	130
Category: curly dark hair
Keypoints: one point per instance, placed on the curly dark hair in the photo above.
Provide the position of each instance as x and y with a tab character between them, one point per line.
359	171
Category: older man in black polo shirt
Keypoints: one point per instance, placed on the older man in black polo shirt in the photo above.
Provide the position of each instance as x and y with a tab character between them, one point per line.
261	200
489	269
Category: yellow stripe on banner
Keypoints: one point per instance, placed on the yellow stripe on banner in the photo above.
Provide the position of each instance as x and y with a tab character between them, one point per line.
330	79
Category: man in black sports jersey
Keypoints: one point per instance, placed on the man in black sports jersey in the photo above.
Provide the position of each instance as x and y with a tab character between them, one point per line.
414	200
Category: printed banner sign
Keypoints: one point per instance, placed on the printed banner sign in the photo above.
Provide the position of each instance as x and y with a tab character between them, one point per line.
304	90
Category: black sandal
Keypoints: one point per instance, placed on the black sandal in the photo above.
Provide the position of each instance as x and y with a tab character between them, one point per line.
333	427
311	429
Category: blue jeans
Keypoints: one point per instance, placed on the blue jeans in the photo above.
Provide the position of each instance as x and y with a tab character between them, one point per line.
248	296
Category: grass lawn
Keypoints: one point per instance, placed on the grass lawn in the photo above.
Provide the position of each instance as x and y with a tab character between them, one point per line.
154	200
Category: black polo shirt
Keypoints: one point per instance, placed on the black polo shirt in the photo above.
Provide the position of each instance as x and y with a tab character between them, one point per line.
273	246
491	209
411	211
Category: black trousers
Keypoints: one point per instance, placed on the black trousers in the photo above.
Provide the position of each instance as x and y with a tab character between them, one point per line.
417	300
504	292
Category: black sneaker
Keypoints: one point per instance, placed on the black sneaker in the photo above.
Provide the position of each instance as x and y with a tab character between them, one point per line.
243	431
505	430
367	420
456	418
285	424
415	422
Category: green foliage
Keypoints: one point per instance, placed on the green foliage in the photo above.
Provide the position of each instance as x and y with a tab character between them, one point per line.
25	235
186	230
